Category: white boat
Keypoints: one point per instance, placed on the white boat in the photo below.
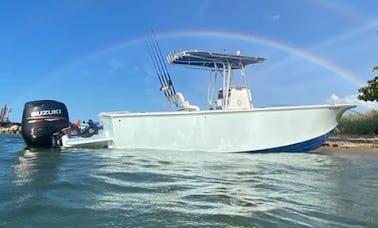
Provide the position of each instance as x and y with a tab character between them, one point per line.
230	124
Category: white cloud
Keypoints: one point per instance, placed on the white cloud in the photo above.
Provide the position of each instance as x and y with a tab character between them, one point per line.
84	72
114	65
362	106
276	17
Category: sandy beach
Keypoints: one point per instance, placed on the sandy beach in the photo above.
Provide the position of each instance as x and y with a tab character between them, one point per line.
366	142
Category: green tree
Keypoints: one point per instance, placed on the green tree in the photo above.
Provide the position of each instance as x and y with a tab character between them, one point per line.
370	92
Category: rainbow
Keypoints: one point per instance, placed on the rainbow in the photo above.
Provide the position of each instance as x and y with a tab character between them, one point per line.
302	53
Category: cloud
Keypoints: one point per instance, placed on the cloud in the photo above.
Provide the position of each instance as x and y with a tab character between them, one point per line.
114	65
275	17
84	72
201	11
362	106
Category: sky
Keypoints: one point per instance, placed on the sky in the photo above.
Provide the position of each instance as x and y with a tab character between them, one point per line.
92	56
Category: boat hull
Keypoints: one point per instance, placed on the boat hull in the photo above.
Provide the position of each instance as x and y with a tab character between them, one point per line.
281	129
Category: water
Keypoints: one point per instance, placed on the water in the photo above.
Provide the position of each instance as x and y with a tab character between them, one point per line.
144	188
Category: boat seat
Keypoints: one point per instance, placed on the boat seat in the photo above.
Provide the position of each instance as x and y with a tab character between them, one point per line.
184	105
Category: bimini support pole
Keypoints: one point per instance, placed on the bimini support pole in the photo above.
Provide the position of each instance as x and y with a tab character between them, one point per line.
227	88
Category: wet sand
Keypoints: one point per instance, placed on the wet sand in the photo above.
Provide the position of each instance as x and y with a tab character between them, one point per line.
344	142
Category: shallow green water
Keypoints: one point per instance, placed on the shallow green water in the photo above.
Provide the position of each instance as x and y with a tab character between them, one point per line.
145	188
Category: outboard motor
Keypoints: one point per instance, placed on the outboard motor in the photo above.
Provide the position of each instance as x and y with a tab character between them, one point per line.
40	120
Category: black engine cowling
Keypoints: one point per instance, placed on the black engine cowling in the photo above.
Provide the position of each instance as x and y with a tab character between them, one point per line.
40	120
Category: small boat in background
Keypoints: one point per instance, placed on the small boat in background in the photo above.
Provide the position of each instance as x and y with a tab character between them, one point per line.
4	115
230	123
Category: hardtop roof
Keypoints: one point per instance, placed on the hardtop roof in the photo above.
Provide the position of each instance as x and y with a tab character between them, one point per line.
212	60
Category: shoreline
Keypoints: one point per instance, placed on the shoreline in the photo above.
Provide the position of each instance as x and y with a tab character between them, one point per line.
365	142
10	129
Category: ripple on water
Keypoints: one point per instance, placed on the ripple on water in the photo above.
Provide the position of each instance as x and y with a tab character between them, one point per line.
97	188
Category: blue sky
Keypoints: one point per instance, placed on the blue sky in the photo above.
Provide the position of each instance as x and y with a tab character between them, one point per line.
92	56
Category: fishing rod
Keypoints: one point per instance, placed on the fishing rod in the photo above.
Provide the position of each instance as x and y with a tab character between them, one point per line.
157	70
161	69
165	85
163	63
162	75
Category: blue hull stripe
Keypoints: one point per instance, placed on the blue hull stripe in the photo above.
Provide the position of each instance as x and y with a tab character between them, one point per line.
299	147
